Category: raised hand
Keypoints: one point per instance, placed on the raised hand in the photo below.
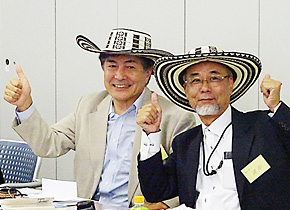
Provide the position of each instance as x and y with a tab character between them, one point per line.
18	91
271	91
149	116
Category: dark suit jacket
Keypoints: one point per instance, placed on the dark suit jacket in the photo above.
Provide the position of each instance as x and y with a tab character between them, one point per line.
254	133
1	177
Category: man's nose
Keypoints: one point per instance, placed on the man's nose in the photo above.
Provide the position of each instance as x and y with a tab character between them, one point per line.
205	86
120	73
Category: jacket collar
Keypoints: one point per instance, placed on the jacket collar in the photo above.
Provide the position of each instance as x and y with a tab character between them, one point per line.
243	137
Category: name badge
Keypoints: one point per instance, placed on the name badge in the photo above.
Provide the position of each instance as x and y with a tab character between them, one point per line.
255	168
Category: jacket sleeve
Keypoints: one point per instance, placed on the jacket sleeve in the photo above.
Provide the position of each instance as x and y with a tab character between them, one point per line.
46	141
157	180
174	121
282	121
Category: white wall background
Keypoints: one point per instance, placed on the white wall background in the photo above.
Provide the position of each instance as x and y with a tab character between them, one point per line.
40	36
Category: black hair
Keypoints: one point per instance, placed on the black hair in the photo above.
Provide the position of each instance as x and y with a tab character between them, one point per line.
146	62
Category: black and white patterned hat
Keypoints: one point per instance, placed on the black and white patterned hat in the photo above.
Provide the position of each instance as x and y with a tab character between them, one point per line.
245	67
125	41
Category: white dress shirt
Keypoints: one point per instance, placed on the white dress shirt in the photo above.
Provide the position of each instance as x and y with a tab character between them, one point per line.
217	191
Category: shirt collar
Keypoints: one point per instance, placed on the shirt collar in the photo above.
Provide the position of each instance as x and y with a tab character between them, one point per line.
136	105
218	126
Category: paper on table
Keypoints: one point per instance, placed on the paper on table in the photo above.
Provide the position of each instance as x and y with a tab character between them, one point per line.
27	204
60	190
182	207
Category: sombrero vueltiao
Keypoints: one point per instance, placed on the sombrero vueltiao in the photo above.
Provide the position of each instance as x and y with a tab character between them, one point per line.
125	41
168	71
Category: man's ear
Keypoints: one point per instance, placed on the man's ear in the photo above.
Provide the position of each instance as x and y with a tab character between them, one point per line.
231	79
102	66
185	89
149	72
184	86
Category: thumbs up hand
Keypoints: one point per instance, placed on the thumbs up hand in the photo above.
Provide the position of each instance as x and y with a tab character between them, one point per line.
271	91
18	91
149	116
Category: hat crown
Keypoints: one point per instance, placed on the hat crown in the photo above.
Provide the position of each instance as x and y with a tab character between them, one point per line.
125	41
204	50
128	39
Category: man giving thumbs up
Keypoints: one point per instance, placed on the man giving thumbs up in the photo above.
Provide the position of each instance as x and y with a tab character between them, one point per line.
149	117
102	130
18	91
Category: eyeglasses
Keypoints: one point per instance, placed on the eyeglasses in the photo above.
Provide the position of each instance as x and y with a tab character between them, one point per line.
213	80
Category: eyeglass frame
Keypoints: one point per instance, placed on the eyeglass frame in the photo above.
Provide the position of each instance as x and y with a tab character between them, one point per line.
208	79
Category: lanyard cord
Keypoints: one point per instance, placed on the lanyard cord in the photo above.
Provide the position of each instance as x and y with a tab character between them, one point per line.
205	167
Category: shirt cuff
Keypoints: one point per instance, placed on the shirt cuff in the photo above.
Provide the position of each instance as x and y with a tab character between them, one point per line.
150	145
271	114
23	116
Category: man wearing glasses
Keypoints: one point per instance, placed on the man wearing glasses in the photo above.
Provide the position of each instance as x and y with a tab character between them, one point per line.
233	160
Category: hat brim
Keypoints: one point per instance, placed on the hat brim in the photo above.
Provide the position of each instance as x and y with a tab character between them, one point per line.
152	54
246	69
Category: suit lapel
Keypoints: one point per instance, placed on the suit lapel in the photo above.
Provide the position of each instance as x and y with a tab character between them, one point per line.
193	154
243	137
133	176
97	136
